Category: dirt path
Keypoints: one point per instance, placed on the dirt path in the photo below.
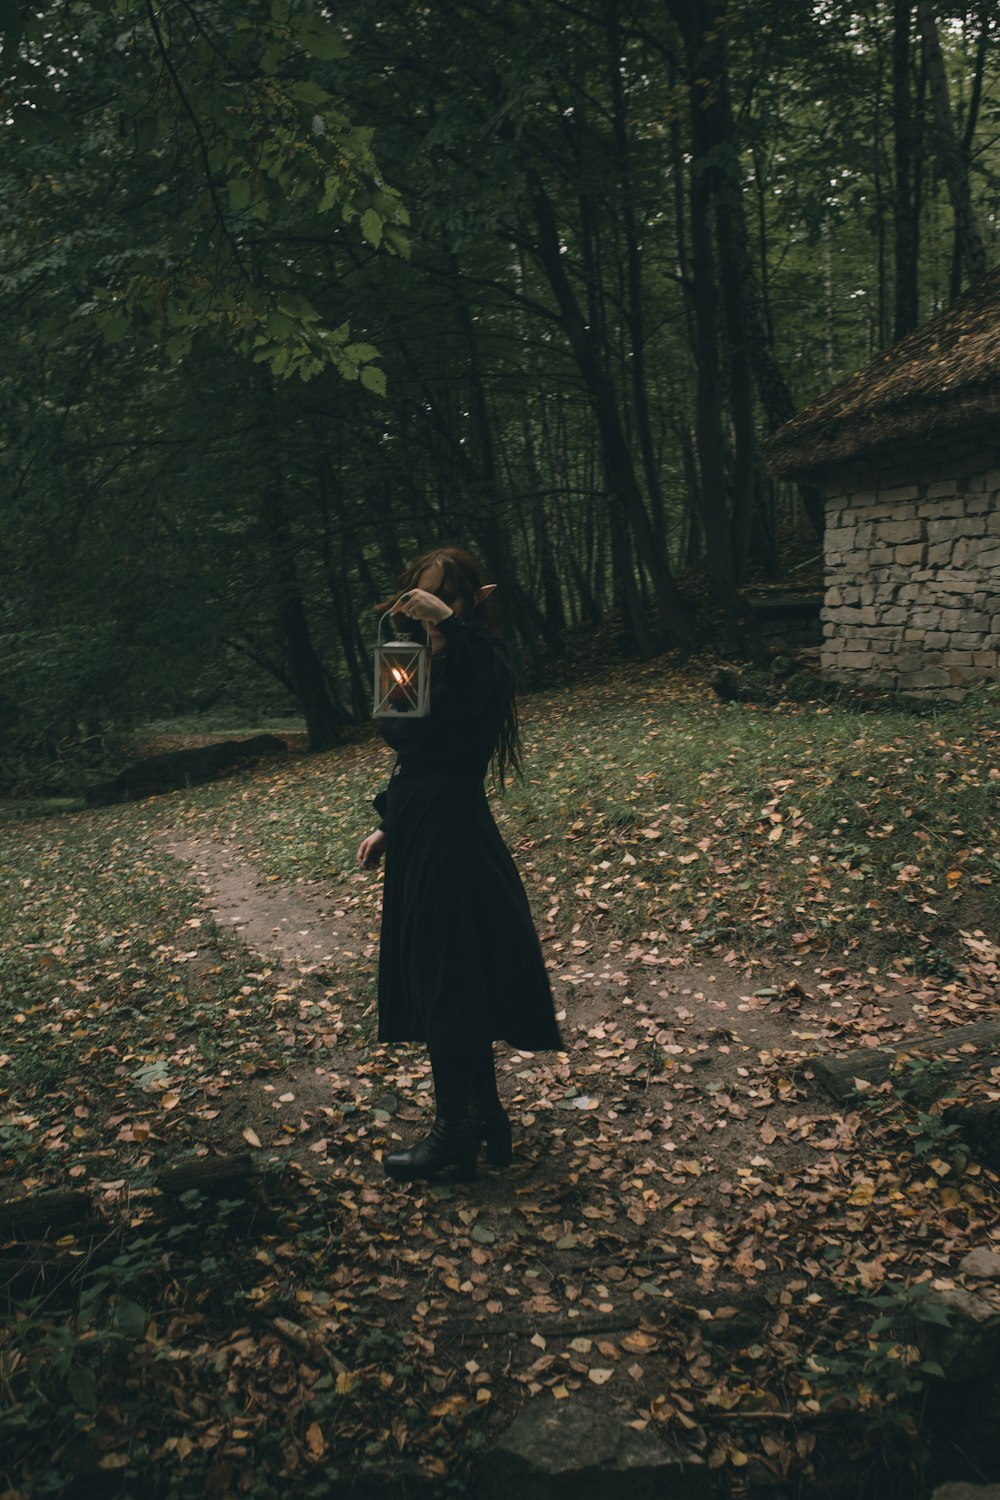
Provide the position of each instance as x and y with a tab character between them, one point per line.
294	927
659	1049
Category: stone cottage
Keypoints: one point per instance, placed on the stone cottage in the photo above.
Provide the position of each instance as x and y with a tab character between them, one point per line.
906	454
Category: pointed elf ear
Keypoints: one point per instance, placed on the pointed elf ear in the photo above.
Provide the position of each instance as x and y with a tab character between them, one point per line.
485	592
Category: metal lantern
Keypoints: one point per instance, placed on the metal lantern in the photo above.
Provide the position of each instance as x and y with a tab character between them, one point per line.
402	674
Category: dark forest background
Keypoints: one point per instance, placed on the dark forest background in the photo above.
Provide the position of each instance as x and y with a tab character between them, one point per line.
289	293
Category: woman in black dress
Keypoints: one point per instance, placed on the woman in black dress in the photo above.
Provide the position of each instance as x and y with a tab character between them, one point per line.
459	961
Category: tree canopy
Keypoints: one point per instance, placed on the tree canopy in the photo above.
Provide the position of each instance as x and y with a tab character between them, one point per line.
288	297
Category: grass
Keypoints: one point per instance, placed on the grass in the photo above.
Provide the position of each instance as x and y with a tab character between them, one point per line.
649	805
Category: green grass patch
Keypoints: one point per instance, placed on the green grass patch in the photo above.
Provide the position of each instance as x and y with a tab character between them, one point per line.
650	807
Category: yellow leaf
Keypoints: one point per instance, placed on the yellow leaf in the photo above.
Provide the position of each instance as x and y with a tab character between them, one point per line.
600	1377
560	1392
345	1383
315	1440
170	1100
251	1137
738	1458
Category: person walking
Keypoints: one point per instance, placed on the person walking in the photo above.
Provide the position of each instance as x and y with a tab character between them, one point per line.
460	964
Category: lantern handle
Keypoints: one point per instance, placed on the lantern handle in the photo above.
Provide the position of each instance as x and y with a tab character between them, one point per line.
400	635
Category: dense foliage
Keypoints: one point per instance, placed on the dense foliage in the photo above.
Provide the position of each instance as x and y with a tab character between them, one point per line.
240	381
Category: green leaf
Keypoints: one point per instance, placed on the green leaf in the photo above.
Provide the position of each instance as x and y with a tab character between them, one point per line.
397	241
373	379
483	1236
361	352
239	193
83	1389
115	328
371	227
308	92
278	326
130	1319
317	36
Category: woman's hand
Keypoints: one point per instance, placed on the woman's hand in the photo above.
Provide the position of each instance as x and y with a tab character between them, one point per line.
371	849
420	605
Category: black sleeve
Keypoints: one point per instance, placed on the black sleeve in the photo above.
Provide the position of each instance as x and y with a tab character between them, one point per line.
379	805
476	665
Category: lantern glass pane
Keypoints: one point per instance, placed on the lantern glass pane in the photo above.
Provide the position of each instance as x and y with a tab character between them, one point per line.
401	681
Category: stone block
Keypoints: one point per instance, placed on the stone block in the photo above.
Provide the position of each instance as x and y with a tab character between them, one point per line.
953	509
982	1263
929	677
896	532
910	554
949	584
970	1346
561	1450
985	659
944	529
897	492
894	614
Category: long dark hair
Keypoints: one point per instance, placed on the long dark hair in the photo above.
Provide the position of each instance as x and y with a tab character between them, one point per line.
460	586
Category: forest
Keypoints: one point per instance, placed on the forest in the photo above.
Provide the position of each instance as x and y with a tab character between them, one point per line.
290	293
288	296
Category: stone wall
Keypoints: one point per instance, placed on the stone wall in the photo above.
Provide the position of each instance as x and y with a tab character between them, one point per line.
913	571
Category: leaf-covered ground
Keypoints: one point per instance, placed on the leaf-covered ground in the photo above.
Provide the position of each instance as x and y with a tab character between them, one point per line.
692	1235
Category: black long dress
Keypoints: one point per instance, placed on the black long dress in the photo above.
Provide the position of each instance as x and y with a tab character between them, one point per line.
460	964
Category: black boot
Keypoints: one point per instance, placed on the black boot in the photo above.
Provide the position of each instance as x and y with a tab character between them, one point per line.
495	1133
489	1118
450	1144
452	1141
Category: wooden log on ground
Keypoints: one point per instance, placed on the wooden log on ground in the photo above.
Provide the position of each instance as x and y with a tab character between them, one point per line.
216	1176
874	1064
41	1215
46	1215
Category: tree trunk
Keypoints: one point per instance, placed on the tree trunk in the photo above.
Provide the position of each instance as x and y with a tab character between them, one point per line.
698	22
324	718
619	472
906	242
949	151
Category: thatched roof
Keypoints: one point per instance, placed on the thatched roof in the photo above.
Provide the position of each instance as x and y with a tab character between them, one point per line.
945	378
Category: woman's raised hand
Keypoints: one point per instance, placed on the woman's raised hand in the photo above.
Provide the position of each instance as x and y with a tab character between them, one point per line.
371	849
421	605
